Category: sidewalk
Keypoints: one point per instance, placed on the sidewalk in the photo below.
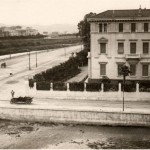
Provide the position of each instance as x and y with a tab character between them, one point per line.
81	76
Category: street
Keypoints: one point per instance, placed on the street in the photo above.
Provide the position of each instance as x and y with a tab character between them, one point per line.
19	67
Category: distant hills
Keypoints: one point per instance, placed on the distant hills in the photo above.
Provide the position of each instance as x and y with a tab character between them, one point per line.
61	28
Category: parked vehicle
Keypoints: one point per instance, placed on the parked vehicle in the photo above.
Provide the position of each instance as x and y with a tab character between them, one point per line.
25	100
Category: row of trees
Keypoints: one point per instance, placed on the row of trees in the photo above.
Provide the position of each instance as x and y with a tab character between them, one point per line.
65	70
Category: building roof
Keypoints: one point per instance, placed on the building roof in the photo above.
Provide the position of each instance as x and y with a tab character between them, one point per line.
131	13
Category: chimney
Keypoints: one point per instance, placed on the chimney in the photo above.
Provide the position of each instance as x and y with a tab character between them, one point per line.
140	13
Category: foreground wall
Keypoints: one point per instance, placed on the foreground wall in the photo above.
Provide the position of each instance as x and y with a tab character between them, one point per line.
75	116
114	96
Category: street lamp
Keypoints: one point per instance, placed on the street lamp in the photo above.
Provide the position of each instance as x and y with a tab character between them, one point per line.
29	61
36	59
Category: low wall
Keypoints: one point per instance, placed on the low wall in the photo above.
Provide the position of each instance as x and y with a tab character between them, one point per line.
74	116
112	96
84	95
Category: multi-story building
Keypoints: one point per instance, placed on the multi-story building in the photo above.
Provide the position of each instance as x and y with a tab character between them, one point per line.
17	31
120	37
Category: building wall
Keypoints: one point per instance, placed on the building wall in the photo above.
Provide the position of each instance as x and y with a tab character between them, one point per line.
112	58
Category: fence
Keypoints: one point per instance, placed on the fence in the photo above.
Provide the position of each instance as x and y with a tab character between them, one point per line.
85	92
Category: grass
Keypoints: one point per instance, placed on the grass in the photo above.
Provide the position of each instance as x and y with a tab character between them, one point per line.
11	46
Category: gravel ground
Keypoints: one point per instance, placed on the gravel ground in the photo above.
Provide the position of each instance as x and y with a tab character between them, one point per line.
25	135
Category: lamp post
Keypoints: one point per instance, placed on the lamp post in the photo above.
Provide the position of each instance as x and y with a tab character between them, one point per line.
29	61
36	59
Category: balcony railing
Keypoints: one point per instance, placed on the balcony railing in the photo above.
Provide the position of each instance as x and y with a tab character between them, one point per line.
133	56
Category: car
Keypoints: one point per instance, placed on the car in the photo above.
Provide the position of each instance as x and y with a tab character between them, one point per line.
24	100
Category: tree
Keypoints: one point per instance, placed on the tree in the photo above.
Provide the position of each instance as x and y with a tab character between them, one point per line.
124	70
84	30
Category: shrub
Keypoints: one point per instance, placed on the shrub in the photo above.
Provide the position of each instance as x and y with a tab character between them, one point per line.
110	87
93	87
144	86
59	86
75	86
130	86
43	86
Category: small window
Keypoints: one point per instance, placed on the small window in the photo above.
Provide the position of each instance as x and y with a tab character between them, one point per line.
145	27
145	70
102	69
133	48
119	69
105	27
133	27
133	70
145	48
120	27
120	48
100	27
102	48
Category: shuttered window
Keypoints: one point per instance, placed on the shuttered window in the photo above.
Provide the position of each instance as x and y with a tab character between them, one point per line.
145	27
119	69
120	27
133	27
100	27
133	48
120	48
103	48
145	48
133	70
145	70
102	69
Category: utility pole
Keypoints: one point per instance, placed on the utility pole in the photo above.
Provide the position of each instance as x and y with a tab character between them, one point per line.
36	59
29	61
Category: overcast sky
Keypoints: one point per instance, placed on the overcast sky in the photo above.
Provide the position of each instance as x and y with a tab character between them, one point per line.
47	12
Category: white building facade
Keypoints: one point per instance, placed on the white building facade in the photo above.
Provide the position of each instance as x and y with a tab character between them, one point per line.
120	37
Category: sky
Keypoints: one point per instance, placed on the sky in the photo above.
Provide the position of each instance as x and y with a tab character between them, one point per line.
48	12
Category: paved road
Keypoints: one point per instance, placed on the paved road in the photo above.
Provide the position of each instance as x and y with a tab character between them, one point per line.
88	105
19	67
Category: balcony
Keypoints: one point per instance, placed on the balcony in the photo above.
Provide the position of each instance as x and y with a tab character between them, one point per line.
133	56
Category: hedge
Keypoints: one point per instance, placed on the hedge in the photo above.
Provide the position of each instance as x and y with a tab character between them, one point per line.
59	86
110	87
75	86
144	86
43	86
95	87
130	86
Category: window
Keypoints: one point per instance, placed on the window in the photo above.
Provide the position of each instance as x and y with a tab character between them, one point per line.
133	27
105	27
133	70
120	27
102	48
102	69
145	70
119	69
133	48
145	48
120	48
145	27
100	27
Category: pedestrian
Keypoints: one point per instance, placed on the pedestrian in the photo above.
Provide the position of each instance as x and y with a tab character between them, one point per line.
12	93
